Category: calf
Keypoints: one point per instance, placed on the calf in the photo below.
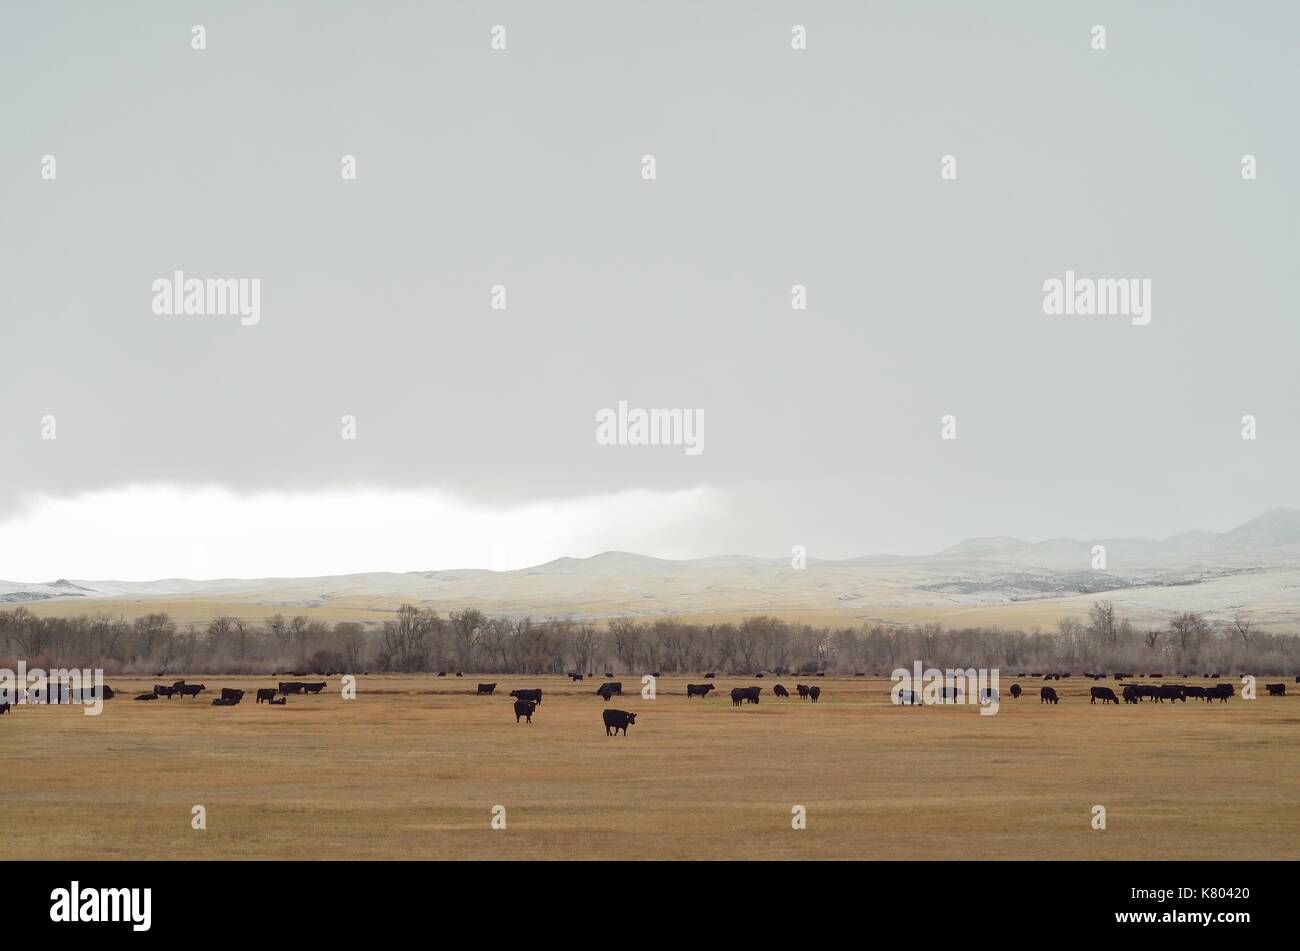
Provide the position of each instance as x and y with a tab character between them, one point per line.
780	691
147	696
617	720
524	708
223	702
1016	691
1104	694
1048	695
485	690
813	693
696	690
266	693
534	695
279	703
1276	690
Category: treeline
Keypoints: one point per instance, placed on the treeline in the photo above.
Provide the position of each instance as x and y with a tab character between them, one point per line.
421	640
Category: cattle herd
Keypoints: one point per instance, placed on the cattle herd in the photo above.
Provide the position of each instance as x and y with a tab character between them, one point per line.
527	701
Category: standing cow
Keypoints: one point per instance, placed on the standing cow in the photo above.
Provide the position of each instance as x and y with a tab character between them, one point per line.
617	720
1104	694
524	708
1048	695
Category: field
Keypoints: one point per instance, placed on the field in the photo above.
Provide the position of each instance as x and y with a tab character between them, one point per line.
413	767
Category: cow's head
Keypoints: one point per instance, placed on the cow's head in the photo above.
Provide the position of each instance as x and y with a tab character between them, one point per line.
631	718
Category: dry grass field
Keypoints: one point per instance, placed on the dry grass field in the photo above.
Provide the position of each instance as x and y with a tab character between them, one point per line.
414	765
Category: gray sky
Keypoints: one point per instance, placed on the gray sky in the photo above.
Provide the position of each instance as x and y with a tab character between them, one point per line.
775	167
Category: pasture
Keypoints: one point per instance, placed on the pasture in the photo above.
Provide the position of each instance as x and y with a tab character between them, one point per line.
414	765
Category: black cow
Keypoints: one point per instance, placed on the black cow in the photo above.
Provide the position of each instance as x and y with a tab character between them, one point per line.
1048	695
224	702
534	695
780	691
1276	690
314	687
266	693
230	693
160	691
696	690
617	720
147	696
485	690
1104	694
802	690
524	708
1221	692
1016	691
1170	692
1198	692
605	692
751	694
615	687
190	690
609	673
1130	694
909	698
575	677
291	686
813	693
710	675
5	707
737	696
950	693
442	673
279	703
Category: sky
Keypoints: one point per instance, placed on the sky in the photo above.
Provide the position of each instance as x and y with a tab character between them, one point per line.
200	446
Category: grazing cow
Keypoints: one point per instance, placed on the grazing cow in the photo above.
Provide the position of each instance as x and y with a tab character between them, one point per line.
1130	694
802	690
291	686
223	702
575	677
1016	691
5	708
605	692
737	696
1276	690
1104	694
534	695
813	693
909	698
780	691
266	693
696	690
147	696
314	687
230	693
160	691
751	694
1048	695
190	690
617	720
710	675
524	708
1170	692
485	690
1198	692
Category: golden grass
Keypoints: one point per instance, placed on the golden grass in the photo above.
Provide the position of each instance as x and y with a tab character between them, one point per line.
412	768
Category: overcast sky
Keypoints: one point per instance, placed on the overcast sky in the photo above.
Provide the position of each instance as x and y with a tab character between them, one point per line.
523	168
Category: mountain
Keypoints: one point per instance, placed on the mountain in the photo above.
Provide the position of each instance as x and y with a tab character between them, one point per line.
989	580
